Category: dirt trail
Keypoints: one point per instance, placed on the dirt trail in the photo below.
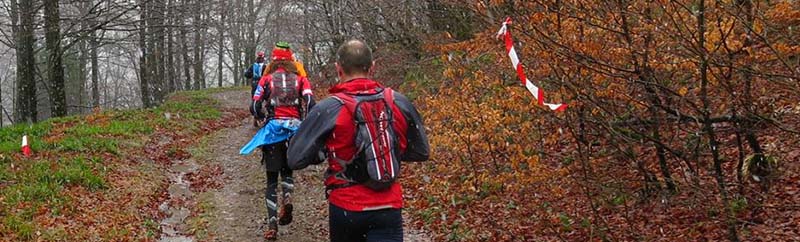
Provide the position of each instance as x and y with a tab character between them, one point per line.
236	211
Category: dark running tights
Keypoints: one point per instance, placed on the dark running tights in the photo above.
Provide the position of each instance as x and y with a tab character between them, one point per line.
384	225
287	184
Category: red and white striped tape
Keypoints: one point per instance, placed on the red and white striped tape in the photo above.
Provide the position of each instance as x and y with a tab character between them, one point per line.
536	91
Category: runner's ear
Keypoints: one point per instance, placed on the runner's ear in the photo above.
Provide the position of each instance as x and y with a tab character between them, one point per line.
371	69
339	71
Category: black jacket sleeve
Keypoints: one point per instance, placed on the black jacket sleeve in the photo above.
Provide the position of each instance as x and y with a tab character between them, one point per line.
255	108
308	103
417	148
249	72
310	138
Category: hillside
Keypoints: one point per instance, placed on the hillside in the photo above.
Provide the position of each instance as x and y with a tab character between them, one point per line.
102	176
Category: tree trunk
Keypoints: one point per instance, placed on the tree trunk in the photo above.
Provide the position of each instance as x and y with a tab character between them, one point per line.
199	33
94	45
1	102
14	15
55	72
144	64
83	58
708	127
80	81
187	84
158	41
220	43
25	109
170	64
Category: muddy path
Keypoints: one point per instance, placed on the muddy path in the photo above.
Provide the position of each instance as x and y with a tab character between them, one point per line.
235	209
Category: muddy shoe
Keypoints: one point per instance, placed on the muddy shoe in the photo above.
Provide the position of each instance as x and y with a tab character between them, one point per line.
285	215
271	234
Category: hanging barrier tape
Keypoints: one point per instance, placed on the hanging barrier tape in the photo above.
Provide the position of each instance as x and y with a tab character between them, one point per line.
536	91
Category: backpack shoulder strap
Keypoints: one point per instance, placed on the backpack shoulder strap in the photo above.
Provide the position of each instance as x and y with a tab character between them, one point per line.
388	95
346	99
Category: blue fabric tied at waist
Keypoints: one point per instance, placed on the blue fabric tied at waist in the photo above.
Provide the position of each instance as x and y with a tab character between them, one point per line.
277	130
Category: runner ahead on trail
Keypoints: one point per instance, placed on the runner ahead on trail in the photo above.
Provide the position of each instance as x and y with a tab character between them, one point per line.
254	71
301	70
285	93
364	130
254	74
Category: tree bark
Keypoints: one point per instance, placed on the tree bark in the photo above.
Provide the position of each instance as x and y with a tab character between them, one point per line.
187	82
25	109
199	48
158	55
708	127
220	43
94	45
144	75
58	98
170	51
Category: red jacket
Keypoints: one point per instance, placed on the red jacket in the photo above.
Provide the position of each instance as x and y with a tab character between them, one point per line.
330	128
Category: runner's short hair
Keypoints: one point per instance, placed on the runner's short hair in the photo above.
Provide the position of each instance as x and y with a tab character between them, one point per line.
354	57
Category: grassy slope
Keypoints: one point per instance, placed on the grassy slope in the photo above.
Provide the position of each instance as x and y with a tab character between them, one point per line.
95	177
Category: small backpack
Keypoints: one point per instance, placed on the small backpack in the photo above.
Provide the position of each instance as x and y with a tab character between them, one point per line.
376	163
257	69
284	90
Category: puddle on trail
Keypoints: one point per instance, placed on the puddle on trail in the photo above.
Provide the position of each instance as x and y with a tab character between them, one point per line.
173	227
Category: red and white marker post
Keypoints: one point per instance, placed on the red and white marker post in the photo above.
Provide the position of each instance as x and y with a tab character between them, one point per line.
26	149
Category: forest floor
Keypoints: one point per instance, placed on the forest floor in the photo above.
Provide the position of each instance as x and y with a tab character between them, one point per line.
227	191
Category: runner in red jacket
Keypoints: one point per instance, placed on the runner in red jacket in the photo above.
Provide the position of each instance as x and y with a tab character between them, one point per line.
357	212
285	94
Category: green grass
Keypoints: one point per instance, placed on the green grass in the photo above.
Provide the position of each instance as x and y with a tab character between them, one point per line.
41	184
198	105
87	144
12	136
42	181
189	108
24	229
115	233
151	226
120	128
79	172
54	234
200	222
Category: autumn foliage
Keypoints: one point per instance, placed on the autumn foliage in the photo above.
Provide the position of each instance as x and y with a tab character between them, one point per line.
682	123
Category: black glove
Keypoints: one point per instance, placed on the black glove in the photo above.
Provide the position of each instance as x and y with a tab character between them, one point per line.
256	110
322	155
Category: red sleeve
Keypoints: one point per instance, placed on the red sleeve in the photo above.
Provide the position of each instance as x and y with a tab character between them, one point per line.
305	86
261	89
264	80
